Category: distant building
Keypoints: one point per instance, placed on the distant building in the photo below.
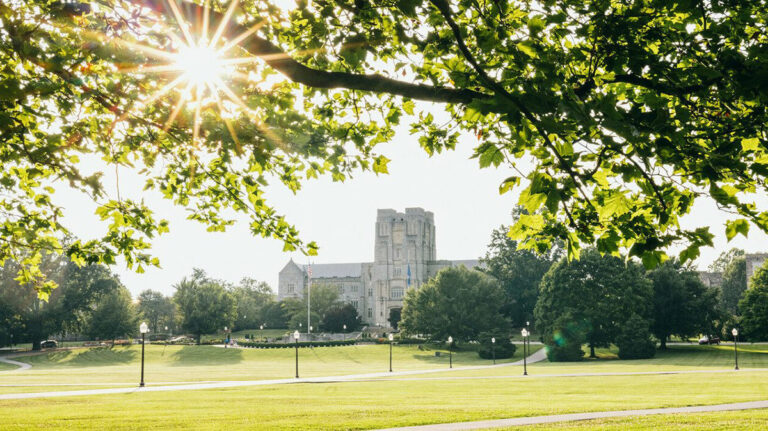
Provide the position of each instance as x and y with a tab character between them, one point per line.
754	261
404	258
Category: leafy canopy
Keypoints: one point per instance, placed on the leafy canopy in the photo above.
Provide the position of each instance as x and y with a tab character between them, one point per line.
616	116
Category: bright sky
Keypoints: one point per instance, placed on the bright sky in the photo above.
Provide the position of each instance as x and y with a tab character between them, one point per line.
341	216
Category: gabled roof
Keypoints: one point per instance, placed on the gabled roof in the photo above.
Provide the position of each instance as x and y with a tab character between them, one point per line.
291	266
335	270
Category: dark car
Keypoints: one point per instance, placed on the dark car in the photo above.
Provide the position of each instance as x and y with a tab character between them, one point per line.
49	344
709	340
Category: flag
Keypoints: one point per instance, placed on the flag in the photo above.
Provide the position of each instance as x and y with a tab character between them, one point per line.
408	273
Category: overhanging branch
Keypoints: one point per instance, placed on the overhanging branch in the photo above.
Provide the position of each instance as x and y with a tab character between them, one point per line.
279	60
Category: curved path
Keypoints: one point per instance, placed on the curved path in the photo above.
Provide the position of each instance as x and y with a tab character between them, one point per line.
22	366
535	357
534	420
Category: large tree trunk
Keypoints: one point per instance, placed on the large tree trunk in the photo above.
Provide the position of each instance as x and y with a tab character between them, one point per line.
592	351
199	336
36	344
663	344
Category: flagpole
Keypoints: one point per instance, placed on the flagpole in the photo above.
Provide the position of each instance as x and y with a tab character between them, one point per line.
309	292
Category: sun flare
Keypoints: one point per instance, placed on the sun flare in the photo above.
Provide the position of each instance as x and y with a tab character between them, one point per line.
200	64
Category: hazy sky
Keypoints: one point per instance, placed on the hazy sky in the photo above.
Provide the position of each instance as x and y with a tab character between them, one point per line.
341	216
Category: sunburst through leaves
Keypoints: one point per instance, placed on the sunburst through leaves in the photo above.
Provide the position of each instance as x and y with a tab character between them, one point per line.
200	62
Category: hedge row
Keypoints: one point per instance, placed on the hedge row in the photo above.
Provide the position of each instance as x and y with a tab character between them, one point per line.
258	345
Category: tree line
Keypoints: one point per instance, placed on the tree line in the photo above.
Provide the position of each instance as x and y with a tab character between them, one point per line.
596	300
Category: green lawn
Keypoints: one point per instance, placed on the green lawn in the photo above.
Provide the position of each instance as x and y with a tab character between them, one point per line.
367	405
203	363
410	400
740	420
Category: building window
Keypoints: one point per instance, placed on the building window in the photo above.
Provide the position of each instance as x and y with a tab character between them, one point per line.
396	293
398	272
291	288
355	304
397	253
370	313
370	292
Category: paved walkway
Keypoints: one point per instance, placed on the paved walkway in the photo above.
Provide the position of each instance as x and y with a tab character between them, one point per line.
535	357
22	365
534	420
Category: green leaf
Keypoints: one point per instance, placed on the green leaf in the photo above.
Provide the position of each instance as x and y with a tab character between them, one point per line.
380	165
750	144
615	205
733	227
408	107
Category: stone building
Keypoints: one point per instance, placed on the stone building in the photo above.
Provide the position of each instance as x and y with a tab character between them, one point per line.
754	261
405	257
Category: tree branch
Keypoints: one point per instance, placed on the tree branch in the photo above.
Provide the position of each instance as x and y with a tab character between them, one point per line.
276	58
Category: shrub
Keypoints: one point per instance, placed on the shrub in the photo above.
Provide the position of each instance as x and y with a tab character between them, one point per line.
258	345
634	341
564	343
503	347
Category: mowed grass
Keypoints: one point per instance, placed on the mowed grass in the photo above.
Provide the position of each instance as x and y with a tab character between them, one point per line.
385	403
735	420
173	364
675	358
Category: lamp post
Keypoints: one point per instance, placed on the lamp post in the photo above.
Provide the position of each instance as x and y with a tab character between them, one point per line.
345	327
391	338
226	340
143	328
296	337
735	333
525	334
450	352
493	349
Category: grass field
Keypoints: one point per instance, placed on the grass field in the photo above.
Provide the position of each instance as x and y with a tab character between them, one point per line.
747	420
486	394
204	363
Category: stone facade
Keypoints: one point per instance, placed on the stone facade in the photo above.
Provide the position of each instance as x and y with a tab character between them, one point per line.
404	258
754	261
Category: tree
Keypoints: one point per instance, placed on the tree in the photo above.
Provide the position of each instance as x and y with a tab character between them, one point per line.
754	307
563	338
274	315
251	296
395	314
625	112
114	317
323	298
341	315
67	309
457	302
601	292
204	304
158	310
518	271
682	304
634	339
733	265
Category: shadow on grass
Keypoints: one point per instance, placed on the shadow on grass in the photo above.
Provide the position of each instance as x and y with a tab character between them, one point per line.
206	355
94	357
750	356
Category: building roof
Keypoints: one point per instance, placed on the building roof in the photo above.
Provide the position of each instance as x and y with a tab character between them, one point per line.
469	263
335	270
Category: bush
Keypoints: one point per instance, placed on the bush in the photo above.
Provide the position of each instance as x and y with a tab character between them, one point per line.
503	349
292	345
564	343
634	341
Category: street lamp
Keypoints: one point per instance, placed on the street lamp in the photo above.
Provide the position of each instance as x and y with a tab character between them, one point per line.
735	333
450	352
261	327
493	349
345	327
391	338
525	334
296	336
143	328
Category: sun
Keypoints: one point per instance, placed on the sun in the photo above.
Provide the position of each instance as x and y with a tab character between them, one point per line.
200	64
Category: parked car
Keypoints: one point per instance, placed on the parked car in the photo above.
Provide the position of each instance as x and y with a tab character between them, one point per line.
709	340
49	344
